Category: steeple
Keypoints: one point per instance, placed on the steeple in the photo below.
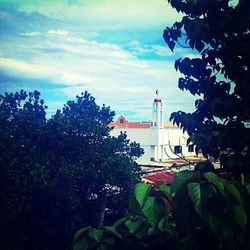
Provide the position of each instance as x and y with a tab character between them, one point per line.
157	120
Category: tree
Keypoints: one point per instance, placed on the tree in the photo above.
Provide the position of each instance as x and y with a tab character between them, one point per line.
203	210
219	31
185	216
60	173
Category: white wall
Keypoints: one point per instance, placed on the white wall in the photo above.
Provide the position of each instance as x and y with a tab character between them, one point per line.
147	137
144	136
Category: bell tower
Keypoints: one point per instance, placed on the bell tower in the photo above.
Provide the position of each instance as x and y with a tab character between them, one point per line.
157	120
157	127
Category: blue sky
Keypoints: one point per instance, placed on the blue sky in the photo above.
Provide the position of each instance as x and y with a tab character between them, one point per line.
112	48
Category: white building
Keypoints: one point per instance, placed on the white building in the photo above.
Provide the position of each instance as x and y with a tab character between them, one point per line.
160	141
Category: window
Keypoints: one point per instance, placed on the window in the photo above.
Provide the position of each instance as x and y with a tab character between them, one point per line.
191	148
177	149
121	121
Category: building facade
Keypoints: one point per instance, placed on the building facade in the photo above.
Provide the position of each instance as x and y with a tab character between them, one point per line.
160	141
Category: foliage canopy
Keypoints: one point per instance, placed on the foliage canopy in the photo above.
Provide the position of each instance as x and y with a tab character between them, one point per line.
201	209
220	33
60	173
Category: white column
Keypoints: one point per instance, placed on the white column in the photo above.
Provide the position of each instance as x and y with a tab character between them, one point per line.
157	125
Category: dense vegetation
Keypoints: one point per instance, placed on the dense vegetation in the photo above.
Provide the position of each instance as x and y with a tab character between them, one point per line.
206	208
219	76
61	173
212	214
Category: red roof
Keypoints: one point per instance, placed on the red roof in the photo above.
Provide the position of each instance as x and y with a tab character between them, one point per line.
165	177
123	122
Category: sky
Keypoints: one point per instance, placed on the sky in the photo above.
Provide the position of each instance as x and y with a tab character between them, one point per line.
114	49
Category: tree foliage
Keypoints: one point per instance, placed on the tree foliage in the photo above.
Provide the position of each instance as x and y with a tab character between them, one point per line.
212	214
60	173
204	208
219	31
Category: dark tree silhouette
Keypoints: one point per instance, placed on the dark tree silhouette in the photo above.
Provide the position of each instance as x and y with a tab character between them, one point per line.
219	75
60	173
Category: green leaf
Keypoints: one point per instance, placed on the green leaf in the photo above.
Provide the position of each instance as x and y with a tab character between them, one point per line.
152	211
194	193
141	192
248	188
120	222
81	245
140	234
80	233
240	216
216	181
96	234
163	223
212	222
152	230
163	187
112	230
233	191
179	179
133	225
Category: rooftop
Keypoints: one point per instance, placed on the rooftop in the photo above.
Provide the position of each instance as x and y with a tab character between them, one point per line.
122	122
162	176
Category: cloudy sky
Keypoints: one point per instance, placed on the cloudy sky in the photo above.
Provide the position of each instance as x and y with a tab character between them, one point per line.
112	48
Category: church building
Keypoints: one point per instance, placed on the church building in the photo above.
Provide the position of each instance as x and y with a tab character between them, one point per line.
161	141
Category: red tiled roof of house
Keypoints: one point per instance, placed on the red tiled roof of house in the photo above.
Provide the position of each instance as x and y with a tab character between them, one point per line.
122	122
130	125
163	176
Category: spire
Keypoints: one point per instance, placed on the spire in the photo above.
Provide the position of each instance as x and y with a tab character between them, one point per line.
157	99
157	120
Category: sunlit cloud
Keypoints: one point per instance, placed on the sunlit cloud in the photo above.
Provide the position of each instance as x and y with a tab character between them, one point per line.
106	47
104	14
58	32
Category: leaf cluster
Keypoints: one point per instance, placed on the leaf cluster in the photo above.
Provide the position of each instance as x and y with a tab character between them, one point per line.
219	75
54	171
201	210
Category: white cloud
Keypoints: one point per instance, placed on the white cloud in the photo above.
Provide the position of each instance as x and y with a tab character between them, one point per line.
50	32
18	67
58	32
31	33
41	71
162	51
106	14
62	50
110	73
134	43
